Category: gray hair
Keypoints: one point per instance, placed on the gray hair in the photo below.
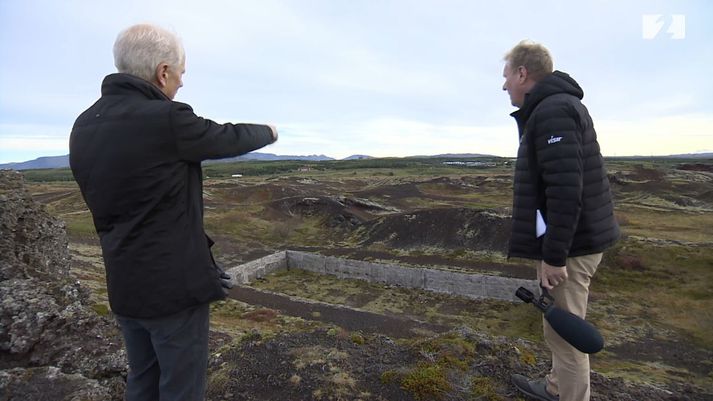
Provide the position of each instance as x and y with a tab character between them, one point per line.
139	49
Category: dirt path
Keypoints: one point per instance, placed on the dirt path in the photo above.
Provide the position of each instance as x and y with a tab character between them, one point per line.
347	318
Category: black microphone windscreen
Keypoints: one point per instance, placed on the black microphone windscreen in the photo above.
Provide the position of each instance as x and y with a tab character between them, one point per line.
581	334
524	294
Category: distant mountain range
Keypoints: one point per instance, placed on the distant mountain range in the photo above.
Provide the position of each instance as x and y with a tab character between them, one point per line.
708	155
457	155
269	157
42	162
63	161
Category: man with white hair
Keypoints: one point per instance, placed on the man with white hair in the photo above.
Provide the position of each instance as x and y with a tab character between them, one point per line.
563	215
136	155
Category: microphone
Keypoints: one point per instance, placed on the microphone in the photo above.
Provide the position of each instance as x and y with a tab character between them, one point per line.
579	333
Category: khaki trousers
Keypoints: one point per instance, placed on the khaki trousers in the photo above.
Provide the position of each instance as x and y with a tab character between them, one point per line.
569	376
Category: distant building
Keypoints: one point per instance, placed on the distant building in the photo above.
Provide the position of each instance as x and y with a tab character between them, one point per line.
470	163
236	175
304	168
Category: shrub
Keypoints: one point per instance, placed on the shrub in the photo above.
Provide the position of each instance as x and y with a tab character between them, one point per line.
483	388
357	339
426	382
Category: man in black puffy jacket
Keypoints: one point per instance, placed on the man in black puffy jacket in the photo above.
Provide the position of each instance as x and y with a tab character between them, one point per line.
136	155
563	216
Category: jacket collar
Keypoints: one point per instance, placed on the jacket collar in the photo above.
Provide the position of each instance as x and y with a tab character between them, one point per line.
557	82
130	85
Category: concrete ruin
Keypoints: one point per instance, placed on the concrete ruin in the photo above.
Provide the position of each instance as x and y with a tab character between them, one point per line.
470	285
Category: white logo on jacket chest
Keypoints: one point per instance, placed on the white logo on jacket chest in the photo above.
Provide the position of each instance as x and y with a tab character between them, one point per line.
554	139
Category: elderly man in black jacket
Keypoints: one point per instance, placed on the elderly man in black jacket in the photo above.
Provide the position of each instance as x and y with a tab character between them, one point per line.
136	155
563	216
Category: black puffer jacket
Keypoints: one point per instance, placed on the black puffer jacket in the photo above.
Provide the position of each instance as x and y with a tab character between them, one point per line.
136	156
559	171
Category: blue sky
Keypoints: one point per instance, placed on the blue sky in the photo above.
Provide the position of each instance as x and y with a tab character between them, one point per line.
384	78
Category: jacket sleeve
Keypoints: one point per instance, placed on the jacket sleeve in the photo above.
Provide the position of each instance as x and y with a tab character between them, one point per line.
198	139
558	144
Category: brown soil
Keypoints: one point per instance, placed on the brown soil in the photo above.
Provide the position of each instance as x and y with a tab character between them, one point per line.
334	212
54	196
351	320
696	167
392	192
672	353
347	318
451	228
336	366
311	366
643	173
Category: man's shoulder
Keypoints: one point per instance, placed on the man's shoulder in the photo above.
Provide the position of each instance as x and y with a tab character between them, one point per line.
109	109
557	100
180	111
181	106
559	105
138	107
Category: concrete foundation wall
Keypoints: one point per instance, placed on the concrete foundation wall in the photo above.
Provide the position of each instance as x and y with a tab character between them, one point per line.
463	284
258	268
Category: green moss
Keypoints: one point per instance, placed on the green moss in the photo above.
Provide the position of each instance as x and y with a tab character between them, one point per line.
652	372
527	357
670	288
252	337
218	380
81	225
101	309
358	339
450	351
484	388
389	376
426	382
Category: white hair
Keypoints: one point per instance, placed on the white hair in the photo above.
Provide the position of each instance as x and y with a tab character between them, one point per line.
139	49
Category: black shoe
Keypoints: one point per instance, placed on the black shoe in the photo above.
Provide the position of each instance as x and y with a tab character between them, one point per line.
536	389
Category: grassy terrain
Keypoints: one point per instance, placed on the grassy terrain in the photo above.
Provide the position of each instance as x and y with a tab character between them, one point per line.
652	297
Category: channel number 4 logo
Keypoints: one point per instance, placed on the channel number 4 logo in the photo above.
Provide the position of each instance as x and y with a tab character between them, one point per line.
652	24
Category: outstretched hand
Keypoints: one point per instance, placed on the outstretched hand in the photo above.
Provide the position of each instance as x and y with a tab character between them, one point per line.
552	276
274	133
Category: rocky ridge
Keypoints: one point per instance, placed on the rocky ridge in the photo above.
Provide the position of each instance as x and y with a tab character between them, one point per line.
53	345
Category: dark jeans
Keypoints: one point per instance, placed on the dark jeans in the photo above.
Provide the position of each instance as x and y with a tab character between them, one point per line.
168	356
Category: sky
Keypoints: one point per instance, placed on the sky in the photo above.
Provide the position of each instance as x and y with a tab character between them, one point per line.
375	77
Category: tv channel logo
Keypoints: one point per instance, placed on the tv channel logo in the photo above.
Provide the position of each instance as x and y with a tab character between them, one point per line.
653	24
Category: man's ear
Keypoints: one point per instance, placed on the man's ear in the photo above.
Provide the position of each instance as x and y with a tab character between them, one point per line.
522	74
162	75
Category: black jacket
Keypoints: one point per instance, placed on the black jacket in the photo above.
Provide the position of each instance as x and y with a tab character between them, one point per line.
559	171
136	156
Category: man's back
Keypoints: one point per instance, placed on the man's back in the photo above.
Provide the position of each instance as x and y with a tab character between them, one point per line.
136	156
